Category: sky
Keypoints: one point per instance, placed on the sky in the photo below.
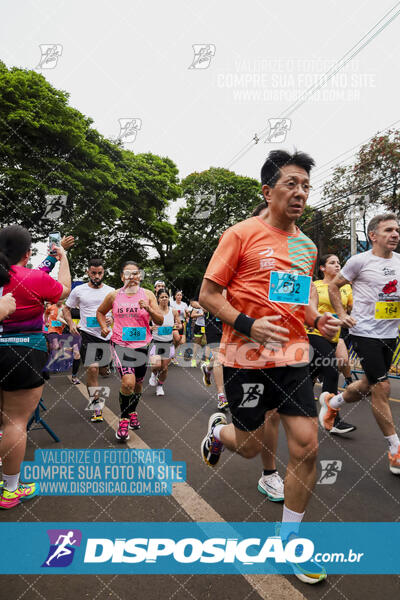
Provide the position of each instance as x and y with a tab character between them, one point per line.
197	80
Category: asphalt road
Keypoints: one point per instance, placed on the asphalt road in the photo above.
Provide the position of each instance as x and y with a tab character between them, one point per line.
364	490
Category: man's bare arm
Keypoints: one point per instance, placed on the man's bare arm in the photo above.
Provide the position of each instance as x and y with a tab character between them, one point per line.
336	300
263	330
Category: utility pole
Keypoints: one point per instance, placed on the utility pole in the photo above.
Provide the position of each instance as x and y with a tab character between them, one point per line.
318	230
353	234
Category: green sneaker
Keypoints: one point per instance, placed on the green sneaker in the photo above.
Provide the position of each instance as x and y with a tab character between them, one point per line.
25	491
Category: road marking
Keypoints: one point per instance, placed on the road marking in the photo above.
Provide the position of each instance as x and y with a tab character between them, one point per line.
268	587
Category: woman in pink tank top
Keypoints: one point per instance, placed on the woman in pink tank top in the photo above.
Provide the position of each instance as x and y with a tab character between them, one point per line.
132	308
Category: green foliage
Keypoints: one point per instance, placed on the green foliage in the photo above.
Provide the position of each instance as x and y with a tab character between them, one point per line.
116	200
215	200
372	181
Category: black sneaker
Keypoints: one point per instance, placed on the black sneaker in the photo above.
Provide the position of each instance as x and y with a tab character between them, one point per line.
340	427
211	448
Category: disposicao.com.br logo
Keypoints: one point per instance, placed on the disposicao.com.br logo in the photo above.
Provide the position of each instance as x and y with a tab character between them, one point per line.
194	550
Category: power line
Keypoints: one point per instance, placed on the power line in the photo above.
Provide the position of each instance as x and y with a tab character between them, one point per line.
322	81
308	224
321	178
325	204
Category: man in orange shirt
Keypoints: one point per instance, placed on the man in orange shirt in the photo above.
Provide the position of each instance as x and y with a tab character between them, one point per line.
266	264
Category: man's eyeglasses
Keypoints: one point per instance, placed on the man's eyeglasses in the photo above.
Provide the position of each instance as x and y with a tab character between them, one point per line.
292	185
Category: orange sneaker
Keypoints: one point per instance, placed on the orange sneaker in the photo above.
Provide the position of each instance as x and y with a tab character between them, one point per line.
394	462
327	414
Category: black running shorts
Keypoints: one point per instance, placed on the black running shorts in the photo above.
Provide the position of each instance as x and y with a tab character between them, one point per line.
100	352
375	356
252	392
21	368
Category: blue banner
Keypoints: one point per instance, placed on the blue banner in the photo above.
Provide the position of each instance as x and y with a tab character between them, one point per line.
192	548
128	472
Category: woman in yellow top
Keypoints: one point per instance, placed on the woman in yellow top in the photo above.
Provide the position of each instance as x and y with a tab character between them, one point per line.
327	354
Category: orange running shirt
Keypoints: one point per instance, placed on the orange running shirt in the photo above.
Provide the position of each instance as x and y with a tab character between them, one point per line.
245	256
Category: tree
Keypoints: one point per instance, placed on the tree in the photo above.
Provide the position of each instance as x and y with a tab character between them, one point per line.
371	184
116	200
215	200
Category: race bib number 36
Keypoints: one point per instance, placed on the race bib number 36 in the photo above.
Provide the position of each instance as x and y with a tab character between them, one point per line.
134	334
291	288
387	310
92	322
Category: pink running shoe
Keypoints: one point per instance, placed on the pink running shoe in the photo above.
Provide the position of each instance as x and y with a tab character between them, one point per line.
25	491
122	432
134	421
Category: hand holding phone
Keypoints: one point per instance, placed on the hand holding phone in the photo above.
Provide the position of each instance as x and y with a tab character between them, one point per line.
54	240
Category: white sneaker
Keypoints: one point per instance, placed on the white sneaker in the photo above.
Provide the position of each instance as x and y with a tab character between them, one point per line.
272	486
160	390
153	379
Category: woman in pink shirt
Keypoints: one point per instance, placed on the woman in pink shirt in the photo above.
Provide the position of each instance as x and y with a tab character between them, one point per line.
23	350
132	308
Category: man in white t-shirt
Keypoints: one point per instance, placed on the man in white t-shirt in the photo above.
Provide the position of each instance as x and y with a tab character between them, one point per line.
374	327
94	348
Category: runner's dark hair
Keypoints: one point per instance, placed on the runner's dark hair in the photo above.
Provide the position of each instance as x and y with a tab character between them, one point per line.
95	262
15	241
161	291
276	159
258	209
323	259
129	262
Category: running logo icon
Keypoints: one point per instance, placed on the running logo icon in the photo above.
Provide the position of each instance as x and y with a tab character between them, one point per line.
252	393
203	53
50	53
278	129
62	547
330	471
128	129
98	397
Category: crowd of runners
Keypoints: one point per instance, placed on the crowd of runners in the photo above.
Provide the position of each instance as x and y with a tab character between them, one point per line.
261	328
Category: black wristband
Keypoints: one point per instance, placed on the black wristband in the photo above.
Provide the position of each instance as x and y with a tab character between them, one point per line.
243	324
316	321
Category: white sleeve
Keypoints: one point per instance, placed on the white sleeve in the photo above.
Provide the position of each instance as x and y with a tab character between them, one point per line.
352	268
73	299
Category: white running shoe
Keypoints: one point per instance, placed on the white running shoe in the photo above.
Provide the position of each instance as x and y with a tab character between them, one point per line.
153	379
272	486
160	390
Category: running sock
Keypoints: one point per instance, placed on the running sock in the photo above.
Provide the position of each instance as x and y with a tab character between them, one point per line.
394	443
269	471
75	366
337	401
217	431
290	522
128	403
159	382
221	395
10	482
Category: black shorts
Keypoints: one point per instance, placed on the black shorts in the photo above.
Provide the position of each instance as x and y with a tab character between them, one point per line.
100	352
21	368
323	363
213	330
199	330
252	392
130	361
375	356
345	335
